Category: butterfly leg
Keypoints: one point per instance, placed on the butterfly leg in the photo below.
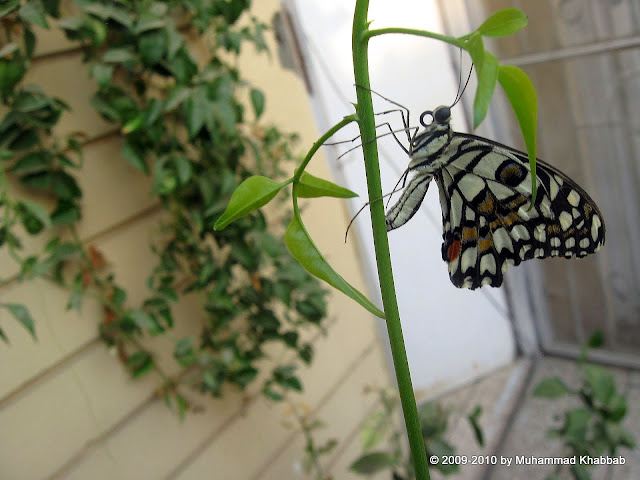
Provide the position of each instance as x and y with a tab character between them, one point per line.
409	202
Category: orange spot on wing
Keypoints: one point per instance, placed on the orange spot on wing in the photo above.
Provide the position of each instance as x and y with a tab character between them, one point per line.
469	233
488	204
484	243
453	251
551	229
510	219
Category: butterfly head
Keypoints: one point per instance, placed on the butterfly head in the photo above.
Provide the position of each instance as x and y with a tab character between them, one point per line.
428	144
441	116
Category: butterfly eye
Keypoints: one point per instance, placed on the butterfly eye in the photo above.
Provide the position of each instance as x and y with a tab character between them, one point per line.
442	115
428	112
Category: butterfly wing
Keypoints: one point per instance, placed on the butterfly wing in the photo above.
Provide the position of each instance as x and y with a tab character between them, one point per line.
485	193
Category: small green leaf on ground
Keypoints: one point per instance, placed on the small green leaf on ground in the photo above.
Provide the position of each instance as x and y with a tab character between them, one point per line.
372	463
551	387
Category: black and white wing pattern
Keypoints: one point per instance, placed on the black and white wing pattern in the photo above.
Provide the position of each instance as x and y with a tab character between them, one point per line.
485	195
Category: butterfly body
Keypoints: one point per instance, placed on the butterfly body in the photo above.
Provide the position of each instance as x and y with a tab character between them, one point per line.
485	195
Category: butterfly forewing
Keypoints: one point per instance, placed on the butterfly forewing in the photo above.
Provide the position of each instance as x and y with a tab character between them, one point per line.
488	222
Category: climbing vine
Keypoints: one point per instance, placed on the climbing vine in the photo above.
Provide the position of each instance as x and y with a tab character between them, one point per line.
183	121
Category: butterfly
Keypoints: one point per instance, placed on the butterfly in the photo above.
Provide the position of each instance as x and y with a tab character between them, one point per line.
488	221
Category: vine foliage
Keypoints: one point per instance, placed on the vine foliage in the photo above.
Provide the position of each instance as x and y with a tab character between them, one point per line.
183	121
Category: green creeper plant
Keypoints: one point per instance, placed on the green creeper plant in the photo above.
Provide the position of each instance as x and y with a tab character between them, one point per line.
379	427
182	123
594	428
522	96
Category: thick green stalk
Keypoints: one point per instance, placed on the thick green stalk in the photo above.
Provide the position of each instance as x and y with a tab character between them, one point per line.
364	111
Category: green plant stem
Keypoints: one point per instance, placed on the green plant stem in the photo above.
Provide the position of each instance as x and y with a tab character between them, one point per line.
329	133
365	114
367	34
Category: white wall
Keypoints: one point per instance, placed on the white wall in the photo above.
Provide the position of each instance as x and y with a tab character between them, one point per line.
452	336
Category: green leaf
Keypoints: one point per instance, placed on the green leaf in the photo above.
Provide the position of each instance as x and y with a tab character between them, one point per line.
29	41
375	427
184	168
9	7
600	382
257	101
272	394
11	71
35	161
146	322
487	79
627	439
253	193
102	73
22	315
52	7
440	448
616	407
374	462
503	23
118	55
473	418
134	156
38	211
65	186
523	99
576	423
132	125
198	108
149	22
31	100
75	299
66	213
476	50
596	340
304	250
224	114
3	336
176	96
310	186
551	387
140	363
184	352
152	46
33	12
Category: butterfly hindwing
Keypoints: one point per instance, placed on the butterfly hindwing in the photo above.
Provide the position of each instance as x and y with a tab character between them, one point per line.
485	194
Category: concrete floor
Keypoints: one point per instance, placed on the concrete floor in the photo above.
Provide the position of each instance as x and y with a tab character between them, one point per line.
516	424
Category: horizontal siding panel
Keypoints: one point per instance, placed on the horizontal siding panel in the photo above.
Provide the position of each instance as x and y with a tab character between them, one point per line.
155	454
342	413
61	332
46	427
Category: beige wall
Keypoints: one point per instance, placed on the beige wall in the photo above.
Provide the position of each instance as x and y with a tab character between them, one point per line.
68	410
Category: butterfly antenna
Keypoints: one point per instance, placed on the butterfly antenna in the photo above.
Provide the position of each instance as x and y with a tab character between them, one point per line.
466	83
